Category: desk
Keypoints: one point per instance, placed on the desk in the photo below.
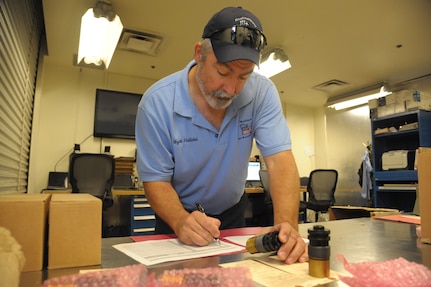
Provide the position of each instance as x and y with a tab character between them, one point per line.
120	192
132	215
253	190
123	192
359	239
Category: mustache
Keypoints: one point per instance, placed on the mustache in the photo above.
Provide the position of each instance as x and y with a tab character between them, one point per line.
222	95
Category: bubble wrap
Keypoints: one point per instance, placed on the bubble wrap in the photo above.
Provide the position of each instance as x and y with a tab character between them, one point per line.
128	276
391	273
137	276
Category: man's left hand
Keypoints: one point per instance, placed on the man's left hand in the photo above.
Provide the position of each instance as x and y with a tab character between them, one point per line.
293	248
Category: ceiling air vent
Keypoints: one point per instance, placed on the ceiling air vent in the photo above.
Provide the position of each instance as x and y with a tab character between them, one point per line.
140	42
330	86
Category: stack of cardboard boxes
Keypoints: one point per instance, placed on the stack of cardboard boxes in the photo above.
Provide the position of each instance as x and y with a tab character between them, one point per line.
398	102
424	190
54	231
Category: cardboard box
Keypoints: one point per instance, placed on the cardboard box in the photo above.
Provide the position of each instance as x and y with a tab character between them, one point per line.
374	113
417	100
424	189
391	99
346	212
386	110
373	103
75	230
25	216
394	103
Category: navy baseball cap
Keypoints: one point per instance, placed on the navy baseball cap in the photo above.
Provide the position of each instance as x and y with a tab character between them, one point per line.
236	34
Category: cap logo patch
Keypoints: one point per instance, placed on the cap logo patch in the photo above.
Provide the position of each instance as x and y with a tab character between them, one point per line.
245	21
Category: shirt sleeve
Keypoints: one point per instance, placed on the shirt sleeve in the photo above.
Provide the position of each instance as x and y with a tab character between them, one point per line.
154	155
272	133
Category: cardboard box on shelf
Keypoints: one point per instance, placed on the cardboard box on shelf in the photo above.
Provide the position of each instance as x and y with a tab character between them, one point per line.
424	104
75	230
424	189
416	100
391	99
386	110
399	102
373	113
25	215
399	107
373	103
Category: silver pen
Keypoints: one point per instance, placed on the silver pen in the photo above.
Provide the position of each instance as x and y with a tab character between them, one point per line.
201	209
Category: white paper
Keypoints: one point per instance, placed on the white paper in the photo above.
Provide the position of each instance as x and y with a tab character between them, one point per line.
270	271
158	251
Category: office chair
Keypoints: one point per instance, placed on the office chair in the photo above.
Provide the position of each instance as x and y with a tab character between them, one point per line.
303	181
264	179
94	174
321	189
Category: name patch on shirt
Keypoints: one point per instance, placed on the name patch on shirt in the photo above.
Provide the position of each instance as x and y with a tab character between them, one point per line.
185	140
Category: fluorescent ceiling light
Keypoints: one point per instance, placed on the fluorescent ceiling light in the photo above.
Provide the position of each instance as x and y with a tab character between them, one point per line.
100	30
361	98
273	62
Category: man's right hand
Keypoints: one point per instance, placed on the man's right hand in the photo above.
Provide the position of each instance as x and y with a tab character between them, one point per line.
197	228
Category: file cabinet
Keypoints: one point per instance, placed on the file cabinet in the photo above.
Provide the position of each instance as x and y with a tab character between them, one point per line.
143	220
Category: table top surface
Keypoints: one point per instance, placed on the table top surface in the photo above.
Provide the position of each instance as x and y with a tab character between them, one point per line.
358	240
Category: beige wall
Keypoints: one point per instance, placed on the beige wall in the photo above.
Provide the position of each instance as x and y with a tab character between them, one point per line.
301	124
64	110
347	131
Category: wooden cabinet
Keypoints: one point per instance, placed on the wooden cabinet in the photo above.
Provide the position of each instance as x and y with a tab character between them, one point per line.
395	185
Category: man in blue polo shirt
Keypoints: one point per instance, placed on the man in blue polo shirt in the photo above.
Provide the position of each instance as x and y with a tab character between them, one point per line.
195	131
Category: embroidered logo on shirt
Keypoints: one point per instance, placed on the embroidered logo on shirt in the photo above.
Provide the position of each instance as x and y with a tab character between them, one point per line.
245	127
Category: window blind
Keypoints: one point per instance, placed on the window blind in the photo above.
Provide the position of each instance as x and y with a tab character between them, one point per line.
21	30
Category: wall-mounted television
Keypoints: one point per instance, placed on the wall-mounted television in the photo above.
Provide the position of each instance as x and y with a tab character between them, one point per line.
115	114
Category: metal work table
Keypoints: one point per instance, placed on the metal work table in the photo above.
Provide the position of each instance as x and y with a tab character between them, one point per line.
360	239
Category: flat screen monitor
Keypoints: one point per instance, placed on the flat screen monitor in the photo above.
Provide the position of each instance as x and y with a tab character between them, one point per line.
253	171
115	114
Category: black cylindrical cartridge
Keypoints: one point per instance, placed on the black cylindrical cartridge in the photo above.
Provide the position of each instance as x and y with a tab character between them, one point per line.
263	243
318	251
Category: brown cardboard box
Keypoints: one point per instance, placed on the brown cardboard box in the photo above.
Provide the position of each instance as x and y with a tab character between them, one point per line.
424	189
417	100
24	215
75	230
346	212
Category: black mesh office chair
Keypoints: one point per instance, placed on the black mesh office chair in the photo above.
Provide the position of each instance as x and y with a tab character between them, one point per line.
94	174
321	189
302	203
264	179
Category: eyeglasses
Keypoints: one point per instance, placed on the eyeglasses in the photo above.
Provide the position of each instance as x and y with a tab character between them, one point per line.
243	36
